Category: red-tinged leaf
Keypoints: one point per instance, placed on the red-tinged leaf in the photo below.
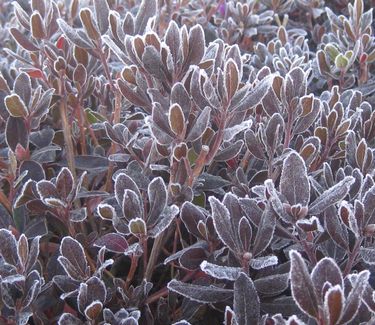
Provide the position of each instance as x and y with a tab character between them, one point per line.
229	316
113	242
22	249
38	74
172	39
21	153
60	42
93	290
37	26
22	87
245	233
231	78
303	290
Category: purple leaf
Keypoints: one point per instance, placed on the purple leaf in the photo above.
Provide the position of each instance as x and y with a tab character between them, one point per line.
265	232
113	242
326	271
196	45
203	294
303	290
78	215
254	96
263	262
69	319
64	182
33	254
272	285
331	196
146	10
222	224
131	205
73	259
246	303
47	189
8	247
124	182
359	282
200	125
294	183
368	255
93	290
157	198
190	216
164	220
220	272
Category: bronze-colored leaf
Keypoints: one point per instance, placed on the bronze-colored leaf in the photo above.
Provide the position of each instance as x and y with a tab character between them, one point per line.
176	119
15	106
333	304
231	78
22	40
89	24
37	26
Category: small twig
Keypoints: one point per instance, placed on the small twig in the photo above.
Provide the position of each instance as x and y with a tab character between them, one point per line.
133	268
155	251
164	292
66	127
352	256
5	202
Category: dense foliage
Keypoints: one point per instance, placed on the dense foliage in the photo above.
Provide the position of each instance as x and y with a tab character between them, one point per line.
187	162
